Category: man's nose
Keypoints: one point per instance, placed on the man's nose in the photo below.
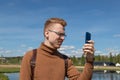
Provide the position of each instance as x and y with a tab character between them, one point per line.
62	37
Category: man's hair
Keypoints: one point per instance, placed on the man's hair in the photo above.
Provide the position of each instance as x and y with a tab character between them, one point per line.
51	21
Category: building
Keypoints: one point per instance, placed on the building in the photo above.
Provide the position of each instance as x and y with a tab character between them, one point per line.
104	64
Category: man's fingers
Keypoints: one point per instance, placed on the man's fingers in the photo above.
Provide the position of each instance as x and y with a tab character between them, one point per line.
89	48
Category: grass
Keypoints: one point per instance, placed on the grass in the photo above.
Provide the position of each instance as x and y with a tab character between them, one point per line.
101	68
16	68
106	68
9	70
3	77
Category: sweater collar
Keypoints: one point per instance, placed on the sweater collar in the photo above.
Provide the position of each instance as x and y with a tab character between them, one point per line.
48	49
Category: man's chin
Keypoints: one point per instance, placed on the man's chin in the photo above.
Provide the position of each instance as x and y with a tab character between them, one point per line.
58	46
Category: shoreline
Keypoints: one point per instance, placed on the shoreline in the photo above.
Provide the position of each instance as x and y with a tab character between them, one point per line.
16	68
9	68
10	65
100	68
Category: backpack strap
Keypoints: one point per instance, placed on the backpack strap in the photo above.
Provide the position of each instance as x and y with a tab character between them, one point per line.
66	64
32	63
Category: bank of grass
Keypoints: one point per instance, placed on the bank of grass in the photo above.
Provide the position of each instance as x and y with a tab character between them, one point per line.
16	68
9	68
107	68
101	68
3	77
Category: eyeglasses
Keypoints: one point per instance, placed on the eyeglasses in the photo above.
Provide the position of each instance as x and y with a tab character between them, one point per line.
59	34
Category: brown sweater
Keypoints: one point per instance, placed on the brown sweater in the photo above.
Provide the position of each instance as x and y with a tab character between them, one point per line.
50	66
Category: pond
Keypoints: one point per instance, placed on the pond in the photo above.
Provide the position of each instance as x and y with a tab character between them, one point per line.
97	75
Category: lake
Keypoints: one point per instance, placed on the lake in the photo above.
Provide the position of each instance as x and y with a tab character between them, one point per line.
97	75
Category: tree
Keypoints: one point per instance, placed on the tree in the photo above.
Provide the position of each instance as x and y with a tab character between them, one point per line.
111	57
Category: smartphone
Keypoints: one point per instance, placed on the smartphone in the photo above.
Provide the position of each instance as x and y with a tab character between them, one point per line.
87	37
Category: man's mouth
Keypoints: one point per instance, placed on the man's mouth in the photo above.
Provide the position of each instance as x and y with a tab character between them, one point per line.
60	42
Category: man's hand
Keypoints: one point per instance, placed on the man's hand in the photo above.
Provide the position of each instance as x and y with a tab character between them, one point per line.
89	50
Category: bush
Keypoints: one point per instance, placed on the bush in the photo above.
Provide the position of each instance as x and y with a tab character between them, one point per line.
3	77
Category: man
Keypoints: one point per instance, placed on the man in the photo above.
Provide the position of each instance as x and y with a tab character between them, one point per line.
50	63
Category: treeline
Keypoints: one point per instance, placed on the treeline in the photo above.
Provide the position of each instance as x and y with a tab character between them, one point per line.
109	58
10	60
76	60
98	58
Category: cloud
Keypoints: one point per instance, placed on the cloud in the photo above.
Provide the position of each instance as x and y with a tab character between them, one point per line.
8	51
113	50
98	52
30	48
71	51
1	48
4	51
116	35
65	47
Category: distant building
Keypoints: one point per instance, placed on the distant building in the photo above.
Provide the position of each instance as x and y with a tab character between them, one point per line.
104	64
117	64
3	60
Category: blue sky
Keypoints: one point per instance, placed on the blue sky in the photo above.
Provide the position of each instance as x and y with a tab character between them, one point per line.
22	22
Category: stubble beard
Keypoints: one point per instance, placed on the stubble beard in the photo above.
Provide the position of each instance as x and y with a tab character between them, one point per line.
57	44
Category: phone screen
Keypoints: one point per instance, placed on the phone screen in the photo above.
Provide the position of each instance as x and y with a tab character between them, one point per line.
87	37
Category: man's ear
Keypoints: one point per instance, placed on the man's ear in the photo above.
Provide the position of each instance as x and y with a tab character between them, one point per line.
46	34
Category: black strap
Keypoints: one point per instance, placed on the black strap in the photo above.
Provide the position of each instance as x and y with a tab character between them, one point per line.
66	64
32	63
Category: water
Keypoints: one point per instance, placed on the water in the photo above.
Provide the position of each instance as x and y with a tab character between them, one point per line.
13	76
99	75
106	75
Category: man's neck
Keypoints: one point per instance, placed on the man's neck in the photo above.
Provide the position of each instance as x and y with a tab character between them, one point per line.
48	44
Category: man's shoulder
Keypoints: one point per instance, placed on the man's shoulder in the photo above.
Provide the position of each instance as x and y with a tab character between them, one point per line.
29	53
64	56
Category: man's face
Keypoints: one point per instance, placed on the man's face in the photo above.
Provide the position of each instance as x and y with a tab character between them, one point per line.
56	35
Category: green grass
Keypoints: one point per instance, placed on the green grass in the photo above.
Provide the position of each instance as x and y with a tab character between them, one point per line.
9	70
106	68
101	68
3	77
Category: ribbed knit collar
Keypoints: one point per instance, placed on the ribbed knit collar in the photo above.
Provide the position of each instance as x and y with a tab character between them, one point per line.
48	49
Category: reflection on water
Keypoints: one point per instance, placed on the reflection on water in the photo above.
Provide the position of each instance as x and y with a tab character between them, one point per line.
106	75
13	76
118	72
97	75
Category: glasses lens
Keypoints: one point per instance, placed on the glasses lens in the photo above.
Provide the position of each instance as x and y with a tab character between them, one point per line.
58	33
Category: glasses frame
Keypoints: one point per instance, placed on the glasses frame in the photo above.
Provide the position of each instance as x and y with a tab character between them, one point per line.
58	33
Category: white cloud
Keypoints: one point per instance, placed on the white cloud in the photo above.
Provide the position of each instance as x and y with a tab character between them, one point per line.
65	47
8	51
30	48
4	51
113	50
77	52
98	52
116	35
106	51
71	51
1	49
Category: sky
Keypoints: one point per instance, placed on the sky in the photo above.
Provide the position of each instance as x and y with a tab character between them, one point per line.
22	23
